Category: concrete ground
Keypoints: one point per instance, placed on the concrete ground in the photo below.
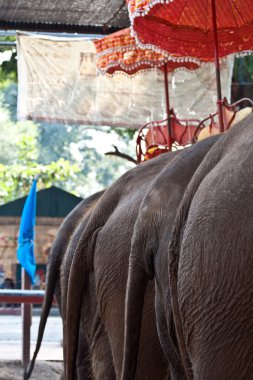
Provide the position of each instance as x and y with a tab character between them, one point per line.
11	337
12	370
49	362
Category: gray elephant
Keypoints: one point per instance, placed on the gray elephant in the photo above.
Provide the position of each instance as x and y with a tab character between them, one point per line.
211	263
149	258
103	251
93	351
59	248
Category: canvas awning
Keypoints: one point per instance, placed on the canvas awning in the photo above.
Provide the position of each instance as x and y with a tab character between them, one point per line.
58	82
80	16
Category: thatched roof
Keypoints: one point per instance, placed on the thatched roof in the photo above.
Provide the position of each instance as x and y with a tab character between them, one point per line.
83	16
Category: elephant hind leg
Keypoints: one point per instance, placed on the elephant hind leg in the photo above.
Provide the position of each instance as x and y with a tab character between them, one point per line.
102	361
83	361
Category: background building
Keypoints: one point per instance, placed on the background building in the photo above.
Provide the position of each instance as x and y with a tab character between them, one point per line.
53	204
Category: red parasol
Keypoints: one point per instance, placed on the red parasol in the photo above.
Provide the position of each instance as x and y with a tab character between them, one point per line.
119	52
204	30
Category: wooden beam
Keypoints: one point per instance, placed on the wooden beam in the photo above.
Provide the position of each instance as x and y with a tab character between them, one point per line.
26	313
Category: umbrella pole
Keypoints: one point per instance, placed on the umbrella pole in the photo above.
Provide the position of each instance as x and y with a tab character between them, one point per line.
217	67
167	105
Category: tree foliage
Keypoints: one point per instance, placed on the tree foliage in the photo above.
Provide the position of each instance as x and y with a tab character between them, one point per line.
16	177
243	69
8	63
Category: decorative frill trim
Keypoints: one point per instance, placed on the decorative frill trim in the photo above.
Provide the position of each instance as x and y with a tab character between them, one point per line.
157	50
132	71
143	7
243	53
122	70
175	58
128	48
138	59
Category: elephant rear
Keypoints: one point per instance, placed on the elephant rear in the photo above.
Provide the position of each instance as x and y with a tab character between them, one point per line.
214	287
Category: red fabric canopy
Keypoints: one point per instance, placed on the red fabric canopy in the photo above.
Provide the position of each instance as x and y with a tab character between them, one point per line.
119	52
185	27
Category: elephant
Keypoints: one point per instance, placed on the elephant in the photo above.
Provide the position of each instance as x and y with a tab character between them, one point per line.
210	262
93	351
103	251
58	250
149	258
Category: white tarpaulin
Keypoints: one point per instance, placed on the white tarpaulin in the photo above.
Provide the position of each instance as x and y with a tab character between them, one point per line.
58	82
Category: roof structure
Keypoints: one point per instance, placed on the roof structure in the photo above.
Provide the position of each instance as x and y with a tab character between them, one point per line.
52	202
77	16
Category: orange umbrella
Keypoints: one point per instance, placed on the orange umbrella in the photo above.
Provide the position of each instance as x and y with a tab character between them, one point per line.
119	52
204	30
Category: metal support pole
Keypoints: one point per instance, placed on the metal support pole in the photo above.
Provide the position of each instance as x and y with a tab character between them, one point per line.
26	312
217	68
167	105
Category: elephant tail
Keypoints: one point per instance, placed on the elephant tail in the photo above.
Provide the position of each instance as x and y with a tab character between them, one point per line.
52	277
136	286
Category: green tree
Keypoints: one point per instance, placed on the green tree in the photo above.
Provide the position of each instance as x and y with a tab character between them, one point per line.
8	60
243	69
15	178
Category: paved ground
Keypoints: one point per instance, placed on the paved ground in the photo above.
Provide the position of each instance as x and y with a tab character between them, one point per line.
11	336
12	370
49	362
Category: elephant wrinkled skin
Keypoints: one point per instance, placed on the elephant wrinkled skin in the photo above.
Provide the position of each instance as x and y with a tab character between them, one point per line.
104	250
211	262
149	255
